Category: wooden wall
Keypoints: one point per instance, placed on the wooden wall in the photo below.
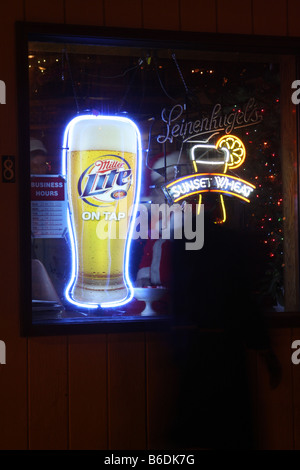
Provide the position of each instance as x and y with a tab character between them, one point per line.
116	391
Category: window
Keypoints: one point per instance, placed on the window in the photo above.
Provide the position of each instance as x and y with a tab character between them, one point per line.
211	124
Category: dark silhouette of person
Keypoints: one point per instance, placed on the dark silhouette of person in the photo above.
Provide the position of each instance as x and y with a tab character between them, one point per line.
216	318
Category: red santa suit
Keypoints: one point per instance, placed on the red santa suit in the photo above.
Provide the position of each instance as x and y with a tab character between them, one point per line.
155	263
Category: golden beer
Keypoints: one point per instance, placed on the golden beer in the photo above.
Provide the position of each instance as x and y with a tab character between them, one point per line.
101	175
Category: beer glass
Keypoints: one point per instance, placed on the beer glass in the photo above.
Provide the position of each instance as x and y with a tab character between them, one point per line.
210	159
207	158
103	180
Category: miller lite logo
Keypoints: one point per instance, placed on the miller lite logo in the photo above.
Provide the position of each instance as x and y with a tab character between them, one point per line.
106	180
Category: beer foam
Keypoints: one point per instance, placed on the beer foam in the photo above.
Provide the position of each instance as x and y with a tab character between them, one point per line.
103	133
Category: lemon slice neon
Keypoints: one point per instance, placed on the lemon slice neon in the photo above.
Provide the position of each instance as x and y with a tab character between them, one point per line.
237	151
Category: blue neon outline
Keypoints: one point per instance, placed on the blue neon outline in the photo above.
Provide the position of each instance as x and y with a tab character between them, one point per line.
128	283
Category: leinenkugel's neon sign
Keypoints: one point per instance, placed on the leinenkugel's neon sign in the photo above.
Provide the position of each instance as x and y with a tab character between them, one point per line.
229	153
102	165
209	182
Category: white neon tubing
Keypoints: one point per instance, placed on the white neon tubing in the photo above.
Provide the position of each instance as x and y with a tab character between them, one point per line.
133	216
209	162
66	138
70	227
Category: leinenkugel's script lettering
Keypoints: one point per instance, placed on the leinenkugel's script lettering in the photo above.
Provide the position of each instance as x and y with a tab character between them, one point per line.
178	127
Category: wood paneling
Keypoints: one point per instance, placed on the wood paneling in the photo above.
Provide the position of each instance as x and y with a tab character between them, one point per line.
13	374
90	13
119	391
251	364
126	391
162	390
274	404
293	12
234	16
270	17
48	416
38	11
198	16
123	14
47	357
13	391
161	14
88	392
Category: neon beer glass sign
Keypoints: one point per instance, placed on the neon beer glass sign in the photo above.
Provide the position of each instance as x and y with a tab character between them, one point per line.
214	160
102	166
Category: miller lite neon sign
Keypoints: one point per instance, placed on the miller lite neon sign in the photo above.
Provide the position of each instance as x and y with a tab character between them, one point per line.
102	166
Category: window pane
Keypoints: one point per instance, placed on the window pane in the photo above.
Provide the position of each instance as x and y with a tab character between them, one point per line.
210	129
